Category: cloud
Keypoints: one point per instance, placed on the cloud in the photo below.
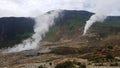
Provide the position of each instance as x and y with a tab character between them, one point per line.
31	8
104	5
34	7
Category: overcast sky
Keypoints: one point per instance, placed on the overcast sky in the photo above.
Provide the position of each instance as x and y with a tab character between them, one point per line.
31	8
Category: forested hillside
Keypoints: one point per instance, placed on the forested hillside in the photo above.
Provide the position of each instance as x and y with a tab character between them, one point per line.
14	29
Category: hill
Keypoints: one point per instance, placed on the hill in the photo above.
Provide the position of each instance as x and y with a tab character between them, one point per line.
69	26
64	45
69	29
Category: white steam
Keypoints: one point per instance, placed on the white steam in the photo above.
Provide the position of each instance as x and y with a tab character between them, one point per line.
102	8
92	20
42	25
33	8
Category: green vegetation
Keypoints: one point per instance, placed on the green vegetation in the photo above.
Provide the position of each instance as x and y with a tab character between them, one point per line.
110	47
41	66
14	29
67	64
82	66
100	64
70	64
107	58
114	64
19	38
97	60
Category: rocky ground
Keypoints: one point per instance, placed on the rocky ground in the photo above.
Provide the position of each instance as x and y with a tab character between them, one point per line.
52	54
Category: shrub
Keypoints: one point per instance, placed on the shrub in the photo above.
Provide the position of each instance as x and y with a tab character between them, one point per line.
100	64
50	64
67	64
114	64
82	66
110	57
41	66
110	47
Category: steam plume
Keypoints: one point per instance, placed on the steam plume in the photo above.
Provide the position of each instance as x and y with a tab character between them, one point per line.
92	20
103	9
42	25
